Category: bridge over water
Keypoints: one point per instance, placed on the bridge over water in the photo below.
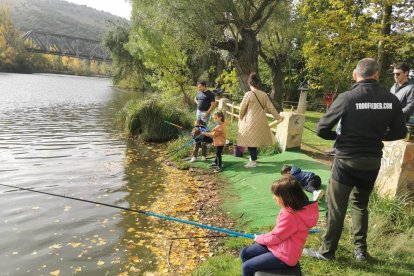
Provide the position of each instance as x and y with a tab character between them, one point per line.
63	45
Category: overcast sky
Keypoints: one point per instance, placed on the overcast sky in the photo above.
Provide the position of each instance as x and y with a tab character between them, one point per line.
117	7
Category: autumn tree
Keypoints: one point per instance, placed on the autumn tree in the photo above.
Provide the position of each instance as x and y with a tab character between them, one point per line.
394	30
13	56
339	33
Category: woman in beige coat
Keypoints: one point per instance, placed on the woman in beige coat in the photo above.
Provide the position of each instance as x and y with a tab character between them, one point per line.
254	130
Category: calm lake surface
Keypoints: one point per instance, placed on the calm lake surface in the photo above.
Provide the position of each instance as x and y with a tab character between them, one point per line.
57	134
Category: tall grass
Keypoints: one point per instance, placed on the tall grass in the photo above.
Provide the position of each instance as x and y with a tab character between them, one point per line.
146	118
397	213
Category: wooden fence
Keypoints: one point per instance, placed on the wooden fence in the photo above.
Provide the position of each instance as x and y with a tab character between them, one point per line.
233	111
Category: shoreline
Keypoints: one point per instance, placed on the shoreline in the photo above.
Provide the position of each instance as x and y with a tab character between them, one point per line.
190	197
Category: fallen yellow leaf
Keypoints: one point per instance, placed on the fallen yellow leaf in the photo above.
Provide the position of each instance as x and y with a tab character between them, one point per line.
74	244
55	273
55	246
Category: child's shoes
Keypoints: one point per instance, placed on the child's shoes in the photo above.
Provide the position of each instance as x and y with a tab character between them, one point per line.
251	164
193	159
203	158
317	195
212	165
217	169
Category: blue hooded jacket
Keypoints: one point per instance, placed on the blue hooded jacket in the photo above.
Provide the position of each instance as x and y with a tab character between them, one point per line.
302	177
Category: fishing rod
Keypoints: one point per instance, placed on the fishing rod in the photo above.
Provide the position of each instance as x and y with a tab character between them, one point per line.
169	154
213	228
172	124
186	145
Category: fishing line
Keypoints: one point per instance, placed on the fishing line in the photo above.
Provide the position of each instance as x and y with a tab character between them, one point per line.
309	129
213	228
218	229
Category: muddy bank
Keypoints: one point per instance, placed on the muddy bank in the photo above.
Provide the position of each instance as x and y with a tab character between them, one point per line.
188	195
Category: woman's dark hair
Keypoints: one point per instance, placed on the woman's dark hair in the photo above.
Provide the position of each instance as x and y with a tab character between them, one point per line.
291	192
220	114
253	80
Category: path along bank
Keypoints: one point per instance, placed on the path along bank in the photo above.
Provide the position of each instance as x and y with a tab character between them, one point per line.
237	199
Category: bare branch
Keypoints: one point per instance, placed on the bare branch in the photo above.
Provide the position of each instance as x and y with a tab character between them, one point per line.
259	13
229	45
264	19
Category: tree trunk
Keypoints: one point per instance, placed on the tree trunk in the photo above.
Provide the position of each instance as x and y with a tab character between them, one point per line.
277	81
383	55
186	98
246	58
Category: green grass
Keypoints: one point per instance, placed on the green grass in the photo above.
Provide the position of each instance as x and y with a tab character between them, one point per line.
309	138
222	265
391	226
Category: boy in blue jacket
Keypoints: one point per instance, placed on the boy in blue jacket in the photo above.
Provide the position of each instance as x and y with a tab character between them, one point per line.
309	180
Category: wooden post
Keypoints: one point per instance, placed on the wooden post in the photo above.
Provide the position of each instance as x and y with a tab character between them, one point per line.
396	176
223	105
289	131
232	112
302	102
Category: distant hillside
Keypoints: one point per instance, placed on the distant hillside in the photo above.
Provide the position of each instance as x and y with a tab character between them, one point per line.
60	17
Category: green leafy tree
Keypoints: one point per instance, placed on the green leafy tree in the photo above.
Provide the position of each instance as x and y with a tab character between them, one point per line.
127	70
280	49
162	55
226	25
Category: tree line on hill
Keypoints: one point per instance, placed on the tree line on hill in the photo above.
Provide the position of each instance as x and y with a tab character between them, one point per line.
171	44
50	16
60	17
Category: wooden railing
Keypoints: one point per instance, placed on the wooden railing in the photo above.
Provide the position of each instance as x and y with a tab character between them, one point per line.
233	111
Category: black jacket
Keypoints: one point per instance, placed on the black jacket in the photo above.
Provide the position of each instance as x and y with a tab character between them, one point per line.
369	115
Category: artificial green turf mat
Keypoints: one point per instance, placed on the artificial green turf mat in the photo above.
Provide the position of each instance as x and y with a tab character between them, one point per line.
252	199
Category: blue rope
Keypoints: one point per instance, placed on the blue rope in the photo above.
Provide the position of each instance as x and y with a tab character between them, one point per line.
229	232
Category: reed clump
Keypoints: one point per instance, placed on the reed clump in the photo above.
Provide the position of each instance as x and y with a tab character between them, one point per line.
147	119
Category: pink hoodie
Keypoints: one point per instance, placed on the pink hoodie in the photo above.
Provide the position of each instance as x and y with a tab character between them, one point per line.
286	240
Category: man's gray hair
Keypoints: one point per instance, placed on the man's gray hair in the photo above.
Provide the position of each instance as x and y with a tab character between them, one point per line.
366	68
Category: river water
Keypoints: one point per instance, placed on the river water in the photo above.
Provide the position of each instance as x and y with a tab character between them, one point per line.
57	134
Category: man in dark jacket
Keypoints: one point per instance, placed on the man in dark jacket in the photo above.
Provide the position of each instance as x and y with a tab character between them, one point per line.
403	89
369	115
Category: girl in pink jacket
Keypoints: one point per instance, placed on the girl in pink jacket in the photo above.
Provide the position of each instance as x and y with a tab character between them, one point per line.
282	247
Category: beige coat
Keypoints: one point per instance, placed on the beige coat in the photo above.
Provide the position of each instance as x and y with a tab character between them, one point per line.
254	130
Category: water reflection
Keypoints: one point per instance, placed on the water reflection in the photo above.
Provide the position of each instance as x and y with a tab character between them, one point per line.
57	135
